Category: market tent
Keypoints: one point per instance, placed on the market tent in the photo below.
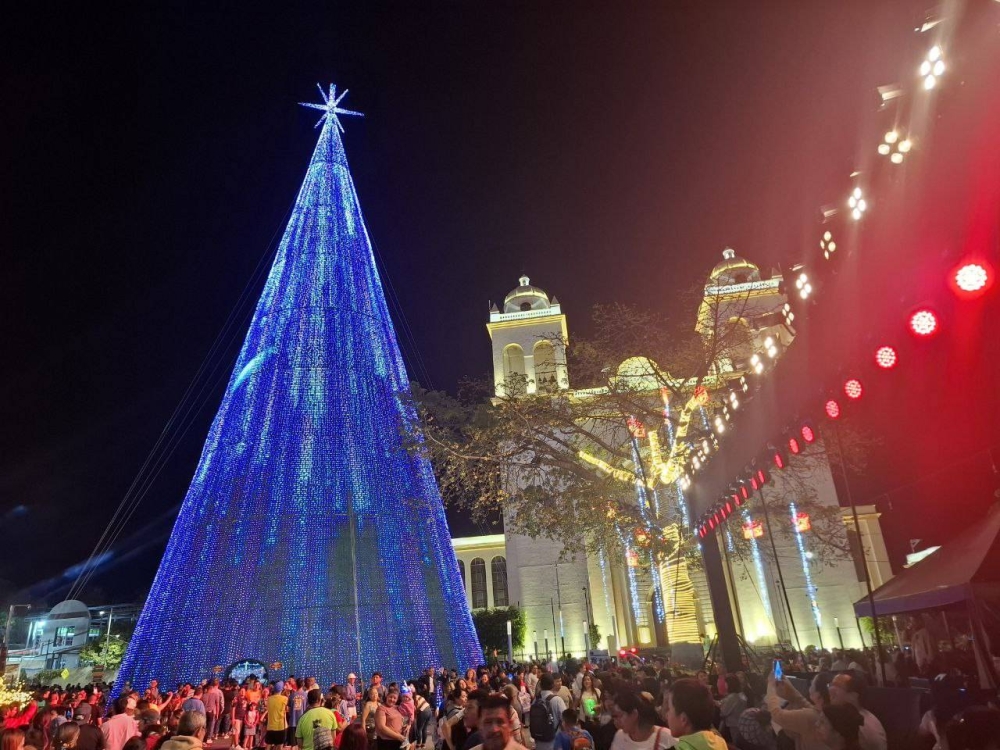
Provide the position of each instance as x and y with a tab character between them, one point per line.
965	568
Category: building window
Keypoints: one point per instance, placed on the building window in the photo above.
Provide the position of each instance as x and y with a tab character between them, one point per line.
498	567
64	636
478	570
545	366
461	569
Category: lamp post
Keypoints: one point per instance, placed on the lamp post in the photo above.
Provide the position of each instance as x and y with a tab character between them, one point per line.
510	644
836	624
534	637
547	657
107	639
586	640
10	618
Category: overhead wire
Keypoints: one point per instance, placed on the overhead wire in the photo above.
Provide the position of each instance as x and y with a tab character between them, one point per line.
133	496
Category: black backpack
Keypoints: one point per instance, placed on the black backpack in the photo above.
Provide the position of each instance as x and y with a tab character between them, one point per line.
541	723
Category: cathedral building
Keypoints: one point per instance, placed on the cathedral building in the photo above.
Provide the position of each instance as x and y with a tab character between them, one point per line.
792	597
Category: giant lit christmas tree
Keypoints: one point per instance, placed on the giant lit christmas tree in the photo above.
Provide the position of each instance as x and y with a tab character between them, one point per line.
310	536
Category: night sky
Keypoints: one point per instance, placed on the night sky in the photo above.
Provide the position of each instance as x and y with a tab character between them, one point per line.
148	160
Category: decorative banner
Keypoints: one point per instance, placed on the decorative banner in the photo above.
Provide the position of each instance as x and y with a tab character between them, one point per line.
753	530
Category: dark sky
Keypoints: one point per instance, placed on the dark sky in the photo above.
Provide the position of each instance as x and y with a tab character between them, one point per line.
148	159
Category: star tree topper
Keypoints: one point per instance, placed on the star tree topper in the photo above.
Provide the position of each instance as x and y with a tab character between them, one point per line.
330	106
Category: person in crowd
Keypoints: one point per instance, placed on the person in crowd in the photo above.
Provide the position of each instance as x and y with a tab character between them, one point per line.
90	736
839	727
975	728
190	732
239	713
636	720
796	716
756	732
379	687
510	691
732	706
470	718
298	702
229	692
66	738
351	696
316	717
152	693
121	727
13	739
571	736
354	737
407	707
368	714
605	730
389	729
151	736
135	743
277	721
589	699
451	728
531	680
690	715
849	687
214	702
251	722
562	690
494	722
543	725
195	703
424	715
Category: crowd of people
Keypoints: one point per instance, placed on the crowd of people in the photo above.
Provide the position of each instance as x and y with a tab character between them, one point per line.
636	706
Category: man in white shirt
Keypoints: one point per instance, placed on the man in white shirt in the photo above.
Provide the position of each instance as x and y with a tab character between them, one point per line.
531	679
121	727
847	687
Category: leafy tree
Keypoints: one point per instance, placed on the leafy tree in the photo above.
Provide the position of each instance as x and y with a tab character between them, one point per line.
491	627
107	653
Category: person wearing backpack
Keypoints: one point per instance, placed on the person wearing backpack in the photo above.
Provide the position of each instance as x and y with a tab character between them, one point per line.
571	736
545	714
317	725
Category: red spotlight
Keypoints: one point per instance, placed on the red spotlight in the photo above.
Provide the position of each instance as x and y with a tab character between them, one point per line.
885	357
729	508
762	476
853	388
744	490
737	499
832	409
808	433
793	446
924	322
778	457
972	279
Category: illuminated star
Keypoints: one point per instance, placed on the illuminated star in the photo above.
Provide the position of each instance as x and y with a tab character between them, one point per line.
330	107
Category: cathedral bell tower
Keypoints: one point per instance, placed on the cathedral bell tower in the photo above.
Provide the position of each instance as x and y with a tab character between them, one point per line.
529	343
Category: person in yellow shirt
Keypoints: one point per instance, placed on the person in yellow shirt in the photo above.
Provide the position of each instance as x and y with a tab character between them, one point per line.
277	720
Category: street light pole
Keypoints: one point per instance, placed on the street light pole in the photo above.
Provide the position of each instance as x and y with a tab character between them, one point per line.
107	639
861	551
10	618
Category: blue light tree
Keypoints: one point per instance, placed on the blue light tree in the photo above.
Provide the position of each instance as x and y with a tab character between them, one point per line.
309	535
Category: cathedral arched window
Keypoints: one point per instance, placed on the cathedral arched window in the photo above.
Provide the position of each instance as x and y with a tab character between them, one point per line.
545	366
513	368
498	567
478	571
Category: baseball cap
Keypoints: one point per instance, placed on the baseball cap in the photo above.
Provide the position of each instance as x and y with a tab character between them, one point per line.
352	676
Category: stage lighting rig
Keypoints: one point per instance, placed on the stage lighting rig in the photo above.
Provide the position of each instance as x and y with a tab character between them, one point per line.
933	67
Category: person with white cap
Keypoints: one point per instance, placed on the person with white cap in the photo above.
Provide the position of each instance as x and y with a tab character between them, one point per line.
351	696
121	727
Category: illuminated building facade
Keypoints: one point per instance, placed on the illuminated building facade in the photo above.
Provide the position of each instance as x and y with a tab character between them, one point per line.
633	601
310	538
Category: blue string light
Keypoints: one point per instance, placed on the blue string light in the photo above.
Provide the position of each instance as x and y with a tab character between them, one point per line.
810	587
310	536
